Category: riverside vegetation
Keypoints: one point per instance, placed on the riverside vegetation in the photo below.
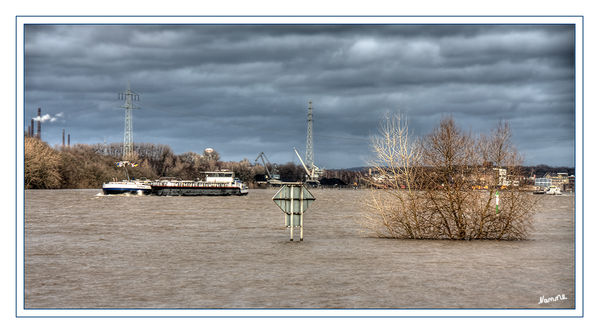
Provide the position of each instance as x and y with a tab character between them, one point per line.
444	185
88	166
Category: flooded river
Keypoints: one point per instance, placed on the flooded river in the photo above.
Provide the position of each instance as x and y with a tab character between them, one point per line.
84	250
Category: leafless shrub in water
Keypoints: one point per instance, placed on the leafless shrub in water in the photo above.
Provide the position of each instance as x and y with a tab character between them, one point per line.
444	186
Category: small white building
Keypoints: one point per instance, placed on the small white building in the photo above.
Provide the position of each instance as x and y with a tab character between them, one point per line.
543	182
502	177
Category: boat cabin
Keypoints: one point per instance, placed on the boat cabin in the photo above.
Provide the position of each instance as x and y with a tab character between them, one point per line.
219	176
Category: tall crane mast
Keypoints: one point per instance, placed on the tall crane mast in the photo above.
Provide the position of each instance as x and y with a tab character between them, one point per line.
309	173
273	177
263	157
312	174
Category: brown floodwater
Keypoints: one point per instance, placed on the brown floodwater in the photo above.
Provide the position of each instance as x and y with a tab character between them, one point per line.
84	250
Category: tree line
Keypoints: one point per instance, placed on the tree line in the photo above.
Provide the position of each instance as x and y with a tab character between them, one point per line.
89	166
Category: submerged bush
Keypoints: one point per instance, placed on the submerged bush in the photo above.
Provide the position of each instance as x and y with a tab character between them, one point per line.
444	185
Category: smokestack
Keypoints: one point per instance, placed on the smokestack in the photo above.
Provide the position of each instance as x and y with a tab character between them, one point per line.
39	123
31	128
69	140
63	137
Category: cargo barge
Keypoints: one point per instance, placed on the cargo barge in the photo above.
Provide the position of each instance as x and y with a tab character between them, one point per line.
219	183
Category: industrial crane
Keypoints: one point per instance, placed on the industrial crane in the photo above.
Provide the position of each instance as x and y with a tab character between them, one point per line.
312	174
272	178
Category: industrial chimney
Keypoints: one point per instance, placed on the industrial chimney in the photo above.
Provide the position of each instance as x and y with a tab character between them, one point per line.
39	123
63	137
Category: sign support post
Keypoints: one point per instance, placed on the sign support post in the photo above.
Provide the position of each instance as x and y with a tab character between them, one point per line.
292	215
301	215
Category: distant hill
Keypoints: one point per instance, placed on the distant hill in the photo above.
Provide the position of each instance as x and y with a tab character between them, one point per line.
538	170
541	170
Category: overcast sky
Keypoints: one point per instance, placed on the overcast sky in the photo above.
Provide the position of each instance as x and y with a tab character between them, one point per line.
244	89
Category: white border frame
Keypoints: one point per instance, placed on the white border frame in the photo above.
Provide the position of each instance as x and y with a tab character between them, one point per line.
21	21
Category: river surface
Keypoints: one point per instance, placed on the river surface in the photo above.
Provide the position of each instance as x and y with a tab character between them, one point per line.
84	250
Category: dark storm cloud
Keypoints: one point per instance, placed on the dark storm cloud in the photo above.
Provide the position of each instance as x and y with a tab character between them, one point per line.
242	89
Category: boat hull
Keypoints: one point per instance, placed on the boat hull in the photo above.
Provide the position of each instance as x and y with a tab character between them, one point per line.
126	187
113	191
196	191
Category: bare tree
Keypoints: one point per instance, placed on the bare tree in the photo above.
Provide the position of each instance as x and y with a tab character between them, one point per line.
397	212
41	165
445	185
513	219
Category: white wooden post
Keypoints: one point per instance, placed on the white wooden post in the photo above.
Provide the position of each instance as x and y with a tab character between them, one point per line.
291	216
301	213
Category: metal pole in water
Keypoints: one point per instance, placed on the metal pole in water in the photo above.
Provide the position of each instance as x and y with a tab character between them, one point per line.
301	213
292	214
496	202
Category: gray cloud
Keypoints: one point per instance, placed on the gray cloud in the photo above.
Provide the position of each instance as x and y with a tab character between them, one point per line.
242	89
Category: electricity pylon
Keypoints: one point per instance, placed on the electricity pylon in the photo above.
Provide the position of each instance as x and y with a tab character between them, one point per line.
309	147
128	96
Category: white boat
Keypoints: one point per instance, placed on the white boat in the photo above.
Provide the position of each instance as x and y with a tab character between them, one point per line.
127	186
553	190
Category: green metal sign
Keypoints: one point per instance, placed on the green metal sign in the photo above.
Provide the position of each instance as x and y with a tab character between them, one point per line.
496	202
294	199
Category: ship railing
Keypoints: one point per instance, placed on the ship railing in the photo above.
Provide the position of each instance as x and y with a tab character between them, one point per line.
194	184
